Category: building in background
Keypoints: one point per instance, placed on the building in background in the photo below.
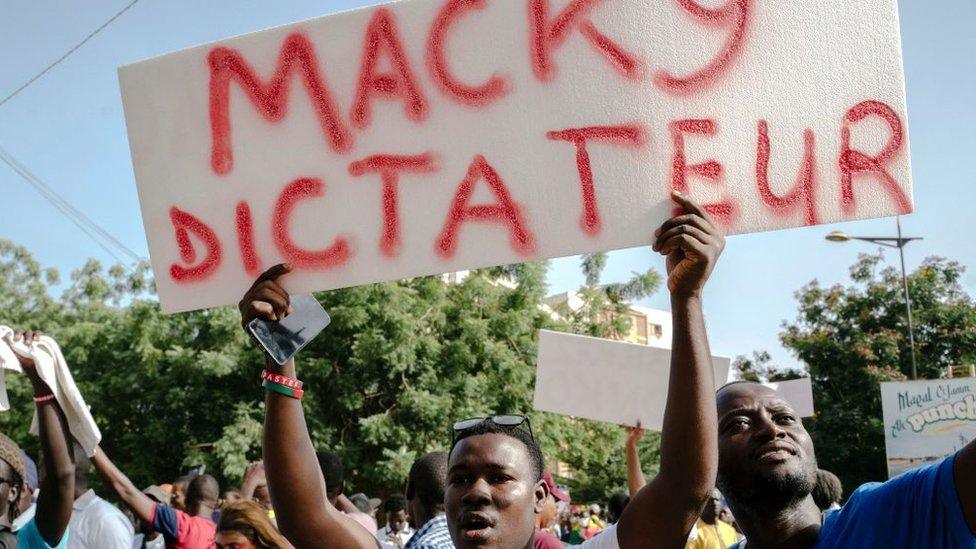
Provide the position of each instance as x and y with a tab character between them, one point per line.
648	326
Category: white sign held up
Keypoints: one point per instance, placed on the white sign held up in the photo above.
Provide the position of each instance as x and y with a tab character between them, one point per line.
430	136
606	380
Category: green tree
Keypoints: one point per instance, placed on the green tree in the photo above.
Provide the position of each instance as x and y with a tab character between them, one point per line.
759	368
853	337
399	363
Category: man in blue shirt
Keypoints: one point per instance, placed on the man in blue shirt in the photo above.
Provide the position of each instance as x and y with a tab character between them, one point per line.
767	470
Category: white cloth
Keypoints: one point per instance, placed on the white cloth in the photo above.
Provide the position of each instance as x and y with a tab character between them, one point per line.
405	534
140	542
97	524
23	518
607	539
53	370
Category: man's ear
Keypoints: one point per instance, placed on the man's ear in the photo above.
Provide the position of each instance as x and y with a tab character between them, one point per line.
13	494
541	495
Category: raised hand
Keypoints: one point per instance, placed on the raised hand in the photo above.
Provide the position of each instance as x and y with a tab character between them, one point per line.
266	298
692	245
28	338
634	435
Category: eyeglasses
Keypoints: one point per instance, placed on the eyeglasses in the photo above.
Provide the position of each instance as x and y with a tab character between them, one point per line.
506	420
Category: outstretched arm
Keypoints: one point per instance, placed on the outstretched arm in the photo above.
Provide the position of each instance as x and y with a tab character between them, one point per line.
254	476
58	487
663	512
140	504
298	491
964	471
635	476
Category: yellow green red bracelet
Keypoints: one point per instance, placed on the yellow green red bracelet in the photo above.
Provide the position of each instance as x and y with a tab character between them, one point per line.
283	389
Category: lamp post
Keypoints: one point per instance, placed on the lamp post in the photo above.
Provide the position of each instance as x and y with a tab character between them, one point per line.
898	242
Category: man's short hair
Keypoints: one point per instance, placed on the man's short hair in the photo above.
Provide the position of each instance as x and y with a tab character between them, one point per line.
427	480
488	427
615	507
332	471
828	489
736	382
203	488
394	504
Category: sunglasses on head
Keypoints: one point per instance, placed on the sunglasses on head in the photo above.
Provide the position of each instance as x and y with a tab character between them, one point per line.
505	420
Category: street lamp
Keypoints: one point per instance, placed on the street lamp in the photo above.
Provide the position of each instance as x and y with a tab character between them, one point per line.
899	242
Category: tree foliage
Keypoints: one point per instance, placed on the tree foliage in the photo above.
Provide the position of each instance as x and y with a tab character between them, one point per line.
853	337
399	363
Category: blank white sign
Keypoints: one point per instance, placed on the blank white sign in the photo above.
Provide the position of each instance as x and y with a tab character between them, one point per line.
606	380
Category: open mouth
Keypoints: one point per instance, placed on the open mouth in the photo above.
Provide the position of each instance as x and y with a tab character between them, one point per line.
476	526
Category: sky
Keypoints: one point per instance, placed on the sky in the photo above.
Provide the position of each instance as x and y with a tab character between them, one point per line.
68	129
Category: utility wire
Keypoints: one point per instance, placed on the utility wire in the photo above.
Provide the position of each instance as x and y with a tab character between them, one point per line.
92	229
67	206
69	52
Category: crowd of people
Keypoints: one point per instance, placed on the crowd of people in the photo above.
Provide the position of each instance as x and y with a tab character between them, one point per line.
737	469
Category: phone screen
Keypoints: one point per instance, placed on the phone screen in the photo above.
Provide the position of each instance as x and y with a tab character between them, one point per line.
282	340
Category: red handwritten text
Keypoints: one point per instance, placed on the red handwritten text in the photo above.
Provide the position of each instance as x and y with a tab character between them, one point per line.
389	167
735	15
802	195
300	189
505	211
185	224
495	88
382	35
269	98
621	135
725	211
853	162
546	34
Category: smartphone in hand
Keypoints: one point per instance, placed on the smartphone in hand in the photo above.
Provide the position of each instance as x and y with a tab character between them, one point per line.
283	339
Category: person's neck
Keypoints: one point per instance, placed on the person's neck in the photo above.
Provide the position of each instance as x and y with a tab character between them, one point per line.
427	515
201	510
711	522
795	526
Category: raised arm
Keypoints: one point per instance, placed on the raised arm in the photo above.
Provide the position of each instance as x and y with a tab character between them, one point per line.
663	512
58	484
298	492
254	476
140	504
964	471
635	476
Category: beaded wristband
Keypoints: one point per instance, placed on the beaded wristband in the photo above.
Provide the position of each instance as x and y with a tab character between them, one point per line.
44	398
281	380
283	389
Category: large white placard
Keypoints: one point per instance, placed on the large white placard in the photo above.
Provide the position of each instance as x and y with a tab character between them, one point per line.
428	136
798	392
606	380
925	421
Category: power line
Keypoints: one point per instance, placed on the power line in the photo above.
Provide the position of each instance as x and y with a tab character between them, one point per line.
92	229
69	52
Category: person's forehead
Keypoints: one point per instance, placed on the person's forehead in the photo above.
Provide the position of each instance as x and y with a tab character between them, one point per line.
494	450
749	397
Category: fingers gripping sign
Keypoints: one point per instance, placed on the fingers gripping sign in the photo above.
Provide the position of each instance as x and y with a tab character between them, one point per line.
635	434
266	298
692	244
